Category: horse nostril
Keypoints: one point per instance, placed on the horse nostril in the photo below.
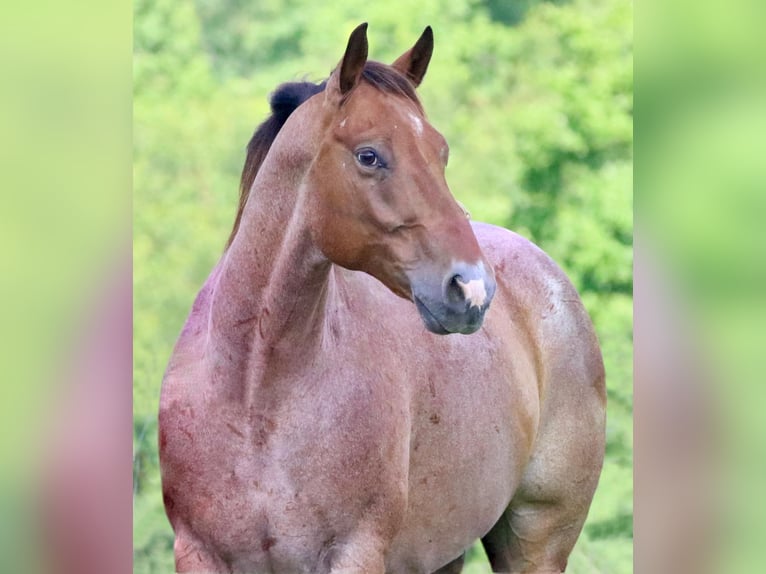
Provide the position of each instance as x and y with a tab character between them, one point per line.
467	293
455	292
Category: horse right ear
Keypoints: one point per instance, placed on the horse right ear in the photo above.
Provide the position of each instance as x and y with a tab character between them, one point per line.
414	62
346	75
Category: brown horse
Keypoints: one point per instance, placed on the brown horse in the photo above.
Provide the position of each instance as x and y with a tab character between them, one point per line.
310	423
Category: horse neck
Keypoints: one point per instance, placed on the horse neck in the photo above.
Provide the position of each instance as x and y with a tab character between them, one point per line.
272	286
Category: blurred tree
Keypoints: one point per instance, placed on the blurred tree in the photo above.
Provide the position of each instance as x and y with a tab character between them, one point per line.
166	55
511	13
573	122
241	37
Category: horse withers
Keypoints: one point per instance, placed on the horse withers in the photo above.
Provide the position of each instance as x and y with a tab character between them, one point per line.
367	381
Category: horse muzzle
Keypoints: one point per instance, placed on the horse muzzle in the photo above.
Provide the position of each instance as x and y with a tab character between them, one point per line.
457	303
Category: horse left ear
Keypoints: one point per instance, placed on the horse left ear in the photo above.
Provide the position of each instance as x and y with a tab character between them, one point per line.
414	62
346	76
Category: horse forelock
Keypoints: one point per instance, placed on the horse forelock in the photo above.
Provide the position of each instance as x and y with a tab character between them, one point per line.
390	80
286	99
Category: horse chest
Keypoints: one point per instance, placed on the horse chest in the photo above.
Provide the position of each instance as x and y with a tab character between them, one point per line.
330	441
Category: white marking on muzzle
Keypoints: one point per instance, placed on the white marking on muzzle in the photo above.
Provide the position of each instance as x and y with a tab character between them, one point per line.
474	292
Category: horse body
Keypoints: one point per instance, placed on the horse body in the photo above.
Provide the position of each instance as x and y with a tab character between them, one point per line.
309	422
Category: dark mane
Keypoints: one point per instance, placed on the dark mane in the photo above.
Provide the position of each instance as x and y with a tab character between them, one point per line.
285	100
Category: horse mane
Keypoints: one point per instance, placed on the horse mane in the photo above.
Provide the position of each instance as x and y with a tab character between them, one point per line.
285	100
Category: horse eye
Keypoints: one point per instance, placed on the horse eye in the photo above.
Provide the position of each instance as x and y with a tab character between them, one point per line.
368	158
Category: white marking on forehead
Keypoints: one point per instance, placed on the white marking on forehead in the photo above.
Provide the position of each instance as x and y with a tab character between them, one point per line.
343	123
417	123
474	291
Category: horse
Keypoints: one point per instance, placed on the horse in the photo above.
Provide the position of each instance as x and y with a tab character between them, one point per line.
368	381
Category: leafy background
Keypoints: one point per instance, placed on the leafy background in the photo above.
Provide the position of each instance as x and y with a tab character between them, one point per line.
536	100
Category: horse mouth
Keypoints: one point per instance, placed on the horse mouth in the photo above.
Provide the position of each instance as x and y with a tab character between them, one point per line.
431	322
466	323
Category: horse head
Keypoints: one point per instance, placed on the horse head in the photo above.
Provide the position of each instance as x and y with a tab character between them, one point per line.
379	200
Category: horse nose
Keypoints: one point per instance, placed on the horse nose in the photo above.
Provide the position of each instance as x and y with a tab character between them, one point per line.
469	288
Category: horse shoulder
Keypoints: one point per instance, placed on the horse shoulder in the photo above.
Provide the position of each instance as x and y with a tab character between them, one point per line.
538	293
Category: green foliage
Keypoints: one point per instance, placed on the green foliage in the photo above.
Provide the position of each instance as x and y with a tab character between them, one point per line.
573	124
535	99
167	60
513	13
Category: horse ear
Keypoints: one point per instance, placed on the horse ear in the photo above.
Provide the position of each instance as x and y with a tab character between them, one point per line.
347	74
414	62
